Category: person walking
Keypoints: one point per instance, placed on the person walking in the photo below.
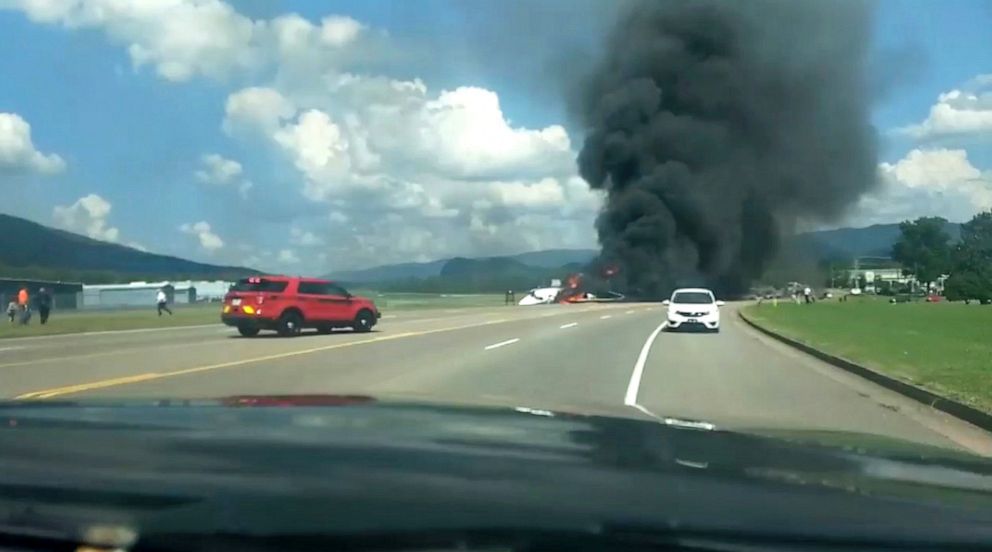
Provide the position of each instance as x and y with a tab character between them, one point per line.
44	302
163	302
12	308
808	295
23	305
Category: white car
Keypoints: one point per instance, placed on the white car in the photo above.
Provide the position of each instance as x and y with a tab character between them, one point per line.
693	308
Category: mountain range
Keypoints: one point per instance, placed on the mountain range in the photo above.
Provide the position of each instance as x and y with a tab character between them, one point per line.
31	250
846	243
549	258
838	245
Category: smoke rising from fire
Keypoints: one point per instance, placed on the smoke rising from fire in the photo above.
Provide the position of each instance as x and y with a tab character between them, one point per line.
715	126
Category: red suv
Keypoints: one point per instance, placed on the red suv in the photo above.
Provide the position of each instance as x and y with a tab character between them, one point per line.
289	304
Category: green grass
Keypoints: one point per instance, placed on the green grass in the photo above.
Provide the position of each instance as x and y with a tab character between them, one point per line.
944	347
389	301
63	322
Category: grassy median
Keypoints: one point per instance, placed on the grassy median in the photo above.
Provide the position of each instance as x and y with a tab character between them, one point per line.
946	348
64	322
412	301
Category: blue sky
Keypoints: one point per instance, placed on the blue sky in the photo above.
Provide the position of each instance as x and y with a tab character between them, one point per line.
317	144
938	46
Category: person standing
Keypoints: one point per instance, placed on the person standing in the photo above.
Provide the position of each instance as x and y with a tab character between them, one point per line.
163	302
808	295
23	305
44	301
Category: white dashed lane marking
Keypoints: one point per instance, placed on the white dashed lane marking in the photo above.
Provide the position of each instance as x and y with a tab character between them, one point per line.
501	344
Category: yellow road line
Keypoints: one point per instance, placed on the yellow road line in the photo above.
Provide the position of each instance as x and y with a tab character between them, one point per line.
129	350
115	352
101	384
44	394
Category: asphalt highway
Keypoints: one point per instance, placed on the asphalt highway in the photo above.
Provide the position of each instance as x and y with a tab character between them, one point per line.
600	359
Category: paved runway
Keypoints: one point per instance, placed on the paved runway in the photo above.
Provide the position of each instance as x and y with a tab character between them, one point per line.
580	358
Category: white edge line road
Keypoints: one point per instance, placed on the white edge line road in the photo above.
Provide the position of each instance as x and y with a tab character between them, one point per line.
569	325
605	316
501	343
630	399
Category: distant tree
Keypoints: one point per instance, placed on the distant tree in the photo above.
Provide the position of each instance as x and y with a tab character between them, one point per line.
971	276
923	248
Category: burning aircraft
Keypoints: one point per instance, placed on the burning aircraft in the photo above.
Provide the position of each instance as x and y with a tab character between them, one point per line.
541	296
577	288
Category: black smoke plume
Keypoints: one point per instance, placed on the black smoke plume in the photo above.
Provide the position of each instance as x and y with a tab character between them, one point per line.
715	126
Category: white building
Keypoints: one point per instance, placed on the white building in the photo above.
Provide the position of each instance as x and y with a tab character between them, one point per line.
143	294
206	290
134	294
893	275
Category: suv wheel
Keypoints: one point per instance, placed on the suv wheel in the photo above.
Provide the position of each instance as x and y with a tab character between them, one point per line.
248	331
363	322
290	324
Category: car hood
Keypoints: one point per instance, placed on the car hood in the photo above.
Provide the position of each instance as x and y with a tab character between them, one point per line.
353	464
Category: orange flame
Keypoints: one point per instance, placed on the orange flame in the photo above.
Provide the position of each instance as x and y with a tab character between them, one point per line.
572	293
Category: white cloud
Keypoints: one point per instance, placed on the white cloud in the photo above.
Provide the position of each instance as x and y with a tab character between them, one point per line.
185	38
305	238
390	138
546	192
373	125
287	256
961	111
932	168
467	131
461	133
88	216
256	108
217	169
17	151
440	175
318	148
337	30
180	38
927	182
209	241
403	171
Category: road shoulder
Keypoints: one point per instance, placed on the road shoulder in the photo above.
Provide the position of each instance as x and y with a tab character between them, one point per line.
980	421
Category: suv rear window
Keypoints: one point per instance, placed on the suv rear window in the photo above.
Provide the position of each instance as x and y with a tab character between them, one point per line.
259	284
